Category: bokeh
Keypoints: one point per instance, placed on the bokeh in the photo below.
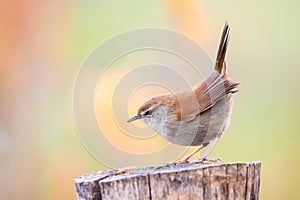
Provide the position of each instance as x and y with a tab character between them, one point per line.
44	43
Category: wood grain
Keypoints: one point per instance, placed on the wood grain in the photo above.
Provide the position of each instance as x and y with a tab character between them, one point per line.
184	181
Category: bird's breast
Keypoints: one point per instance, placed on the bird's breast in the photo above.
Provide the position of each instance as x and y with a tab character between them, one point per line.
202	129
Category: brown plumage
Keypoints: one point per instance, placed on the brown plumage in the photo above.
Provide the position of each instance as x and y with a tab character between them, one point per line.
195	117
220	65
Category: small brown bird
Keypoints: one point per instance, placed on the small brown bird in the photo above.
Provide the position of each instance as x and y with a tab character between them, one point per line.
195	117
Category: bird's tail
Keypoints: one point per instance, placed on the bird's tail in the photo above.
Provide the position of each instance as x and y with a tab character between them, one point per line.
220	61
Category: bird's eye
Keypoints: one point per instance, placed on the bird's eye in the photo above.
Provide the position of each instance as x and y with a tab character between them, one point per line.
148	112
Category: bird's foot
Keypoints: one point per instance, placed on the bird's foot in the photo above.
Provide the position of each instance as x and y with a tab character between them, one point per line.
201	160
177	162
183	161
187	158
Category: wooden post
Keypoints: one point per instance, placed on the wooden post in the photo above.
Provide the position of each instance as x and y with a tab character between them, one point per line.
185	181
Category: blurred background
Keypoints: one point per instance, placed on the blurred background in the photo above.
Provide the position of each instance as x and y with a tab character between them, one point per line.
43	44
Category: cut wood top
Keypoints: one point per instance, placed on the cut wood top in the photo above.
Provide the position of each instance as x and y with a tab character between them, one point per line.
183	181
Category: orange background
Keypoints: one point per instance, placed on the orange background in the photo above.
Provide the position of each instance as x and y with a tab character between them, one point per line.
43	43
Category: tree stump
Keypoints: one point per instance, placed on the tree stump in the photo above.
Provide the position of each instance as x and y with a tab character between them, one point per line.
183	181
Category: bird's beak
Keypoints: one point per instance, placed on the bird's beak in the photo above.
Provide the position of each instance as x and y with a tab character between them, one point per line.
135	117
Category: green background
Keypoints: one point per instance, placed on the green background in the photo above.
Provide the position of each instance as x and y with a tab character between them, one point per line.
44	44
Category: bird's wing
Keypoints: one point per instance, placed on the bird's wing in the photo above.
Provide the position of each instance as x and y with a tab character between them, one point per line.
212	90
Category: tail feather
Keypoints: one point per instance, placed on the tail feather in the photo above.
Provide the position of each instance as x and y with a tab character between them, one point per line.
218	84
220	61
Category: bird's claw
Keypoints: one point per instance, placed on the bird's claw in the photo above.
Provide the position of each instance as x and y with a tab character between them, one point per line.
177	162
201	160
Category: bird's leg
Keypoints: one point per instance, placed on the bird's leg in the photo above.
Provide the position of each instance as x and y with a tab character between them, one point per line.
208	150
186	159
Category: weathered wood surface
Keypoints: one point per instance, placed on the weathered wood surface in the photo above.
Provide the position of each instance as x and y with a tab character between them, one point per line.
185	181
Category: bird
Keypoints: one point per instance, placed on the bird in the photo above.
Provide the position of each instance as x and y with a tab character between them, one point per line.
198	116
